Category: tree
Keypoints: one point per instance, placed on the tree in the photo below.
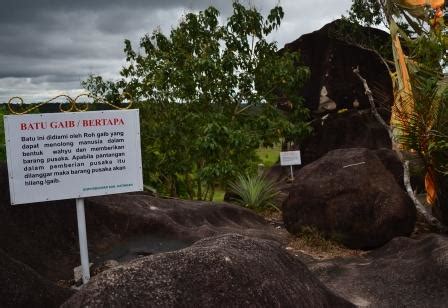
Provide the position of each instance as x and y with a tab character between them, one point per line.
420	115
209	93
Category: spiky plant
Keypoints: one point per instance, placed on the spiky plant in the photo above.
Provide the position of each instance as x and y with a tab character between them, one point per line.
255	192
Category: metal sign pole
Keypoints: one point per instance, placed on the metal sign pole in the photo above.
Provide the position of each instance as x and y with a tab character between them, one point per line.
82	233
292	174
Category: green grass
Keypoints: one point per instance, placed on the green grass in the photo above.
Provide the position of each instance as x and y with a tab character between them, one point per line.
219	195
269	156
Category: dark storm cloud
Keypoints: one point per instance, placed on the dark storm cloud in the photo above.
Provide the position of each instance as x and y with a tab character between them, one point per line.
32	10
49	46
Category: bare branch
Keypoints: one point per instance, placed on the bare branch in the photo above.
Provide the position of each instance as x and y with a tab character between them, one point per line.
420	207
372	104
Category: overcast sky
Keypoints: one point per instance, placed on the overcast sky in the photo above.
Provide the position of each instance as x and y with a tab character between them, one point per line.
47	47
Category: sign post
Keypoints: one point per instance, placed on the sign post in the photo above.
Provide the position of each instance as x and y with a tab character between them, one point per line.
73	155
290	158
82	234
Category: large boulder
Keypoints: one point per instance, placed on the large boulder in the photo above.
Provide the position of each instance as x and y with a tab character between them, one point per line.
120	227
21	286
42	236
332	53
350	195
404	273
441	207
131	214
351	129
224	271
331	59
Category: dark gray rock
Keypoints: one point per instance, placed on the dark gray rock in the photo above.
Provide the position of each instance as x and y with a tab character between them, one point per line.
392	164
120	227
332	60
332	53
42	236
131	214
351	129
349	195
441	207
404	273
224	271
21	286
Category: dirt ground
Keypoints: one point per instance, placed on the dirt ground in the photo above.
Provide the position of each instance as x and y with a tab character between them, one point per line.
311	243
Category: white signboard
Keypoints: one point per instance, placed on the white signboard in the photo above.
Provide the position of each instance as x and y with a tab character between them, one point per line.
73	155
290	158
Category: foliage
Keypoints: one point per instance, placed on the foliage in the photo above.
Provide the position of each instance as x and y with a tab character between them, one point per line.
366	12
209	94
424	129
255	192
380	12
354	33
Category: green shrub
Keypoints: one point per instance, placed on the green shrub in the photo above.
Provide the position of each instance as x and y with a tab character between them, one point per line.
209	92
255	192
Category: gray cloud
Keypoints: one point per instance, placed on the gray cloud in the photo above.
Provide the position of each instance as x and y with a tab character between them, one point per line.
49	46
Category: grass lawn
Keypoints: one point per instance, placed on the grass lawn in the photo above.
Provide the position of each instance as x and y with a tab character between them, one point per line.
269	156
219	195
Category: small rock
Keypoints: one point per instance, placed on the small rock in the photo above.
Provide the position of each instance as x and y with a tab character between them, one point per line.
103	266
77	274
